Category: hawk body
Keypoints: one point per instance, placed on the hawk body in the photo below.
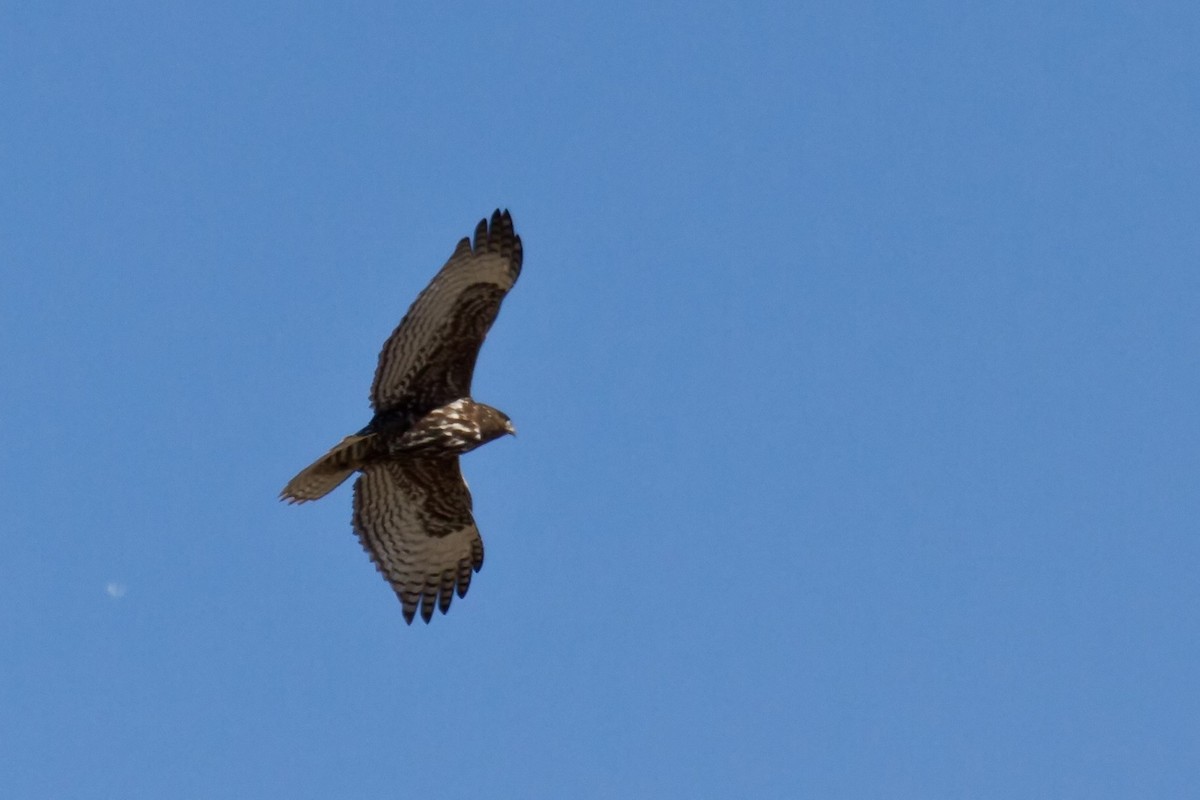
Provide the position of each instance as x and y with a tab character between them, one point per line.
412	508
457	427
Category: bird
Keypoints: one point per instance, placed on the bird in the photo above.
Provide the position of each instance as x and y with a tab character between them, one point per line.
412	509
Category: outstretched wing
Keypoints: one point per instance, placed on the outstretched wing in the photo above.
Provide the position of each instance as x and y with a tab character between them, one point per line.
430	357
414	519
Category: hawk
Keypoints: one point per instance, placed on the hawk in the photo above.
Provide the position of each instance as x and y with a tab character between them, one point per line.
412	508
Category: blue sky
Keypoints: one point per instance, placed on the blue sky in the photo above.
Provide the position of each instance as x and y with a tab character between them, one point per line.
854	362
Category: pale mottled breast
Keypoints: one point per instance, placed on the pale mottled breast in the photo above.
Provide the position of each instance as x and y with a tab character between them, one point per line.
452	430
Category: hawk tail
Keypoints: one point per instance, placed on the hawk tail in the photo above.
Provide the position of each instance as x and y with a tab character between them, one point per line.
329	471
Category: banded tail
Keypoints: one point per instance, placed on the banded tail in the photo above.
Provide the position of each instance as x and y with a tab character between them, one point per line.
329	471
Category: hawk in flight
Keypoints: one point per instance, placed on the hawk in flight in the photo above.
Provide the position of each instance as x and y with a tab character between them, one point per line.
412	509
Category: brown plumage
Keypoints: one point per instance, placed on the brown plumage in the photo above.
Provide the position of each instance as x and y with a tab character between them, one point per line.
412	509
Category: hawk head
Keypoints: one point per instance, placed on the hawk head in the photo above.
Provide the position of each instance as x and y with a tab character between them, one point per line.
493	423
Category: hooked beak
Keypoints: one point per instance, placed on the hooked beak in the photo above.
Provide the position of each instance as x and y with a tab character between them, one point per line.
510	428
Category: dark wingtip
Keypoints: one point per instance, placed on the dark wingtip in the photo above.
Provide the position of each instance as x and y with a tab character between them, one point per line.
500	225
500	237
408	606
481	235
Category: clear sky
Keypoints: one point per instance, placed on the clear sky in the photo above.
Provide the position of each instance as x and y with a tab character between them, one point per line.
854	363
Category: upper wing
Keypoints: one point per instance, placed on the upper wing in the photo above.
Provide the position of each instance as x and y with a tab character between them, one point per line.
414	519
430	357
